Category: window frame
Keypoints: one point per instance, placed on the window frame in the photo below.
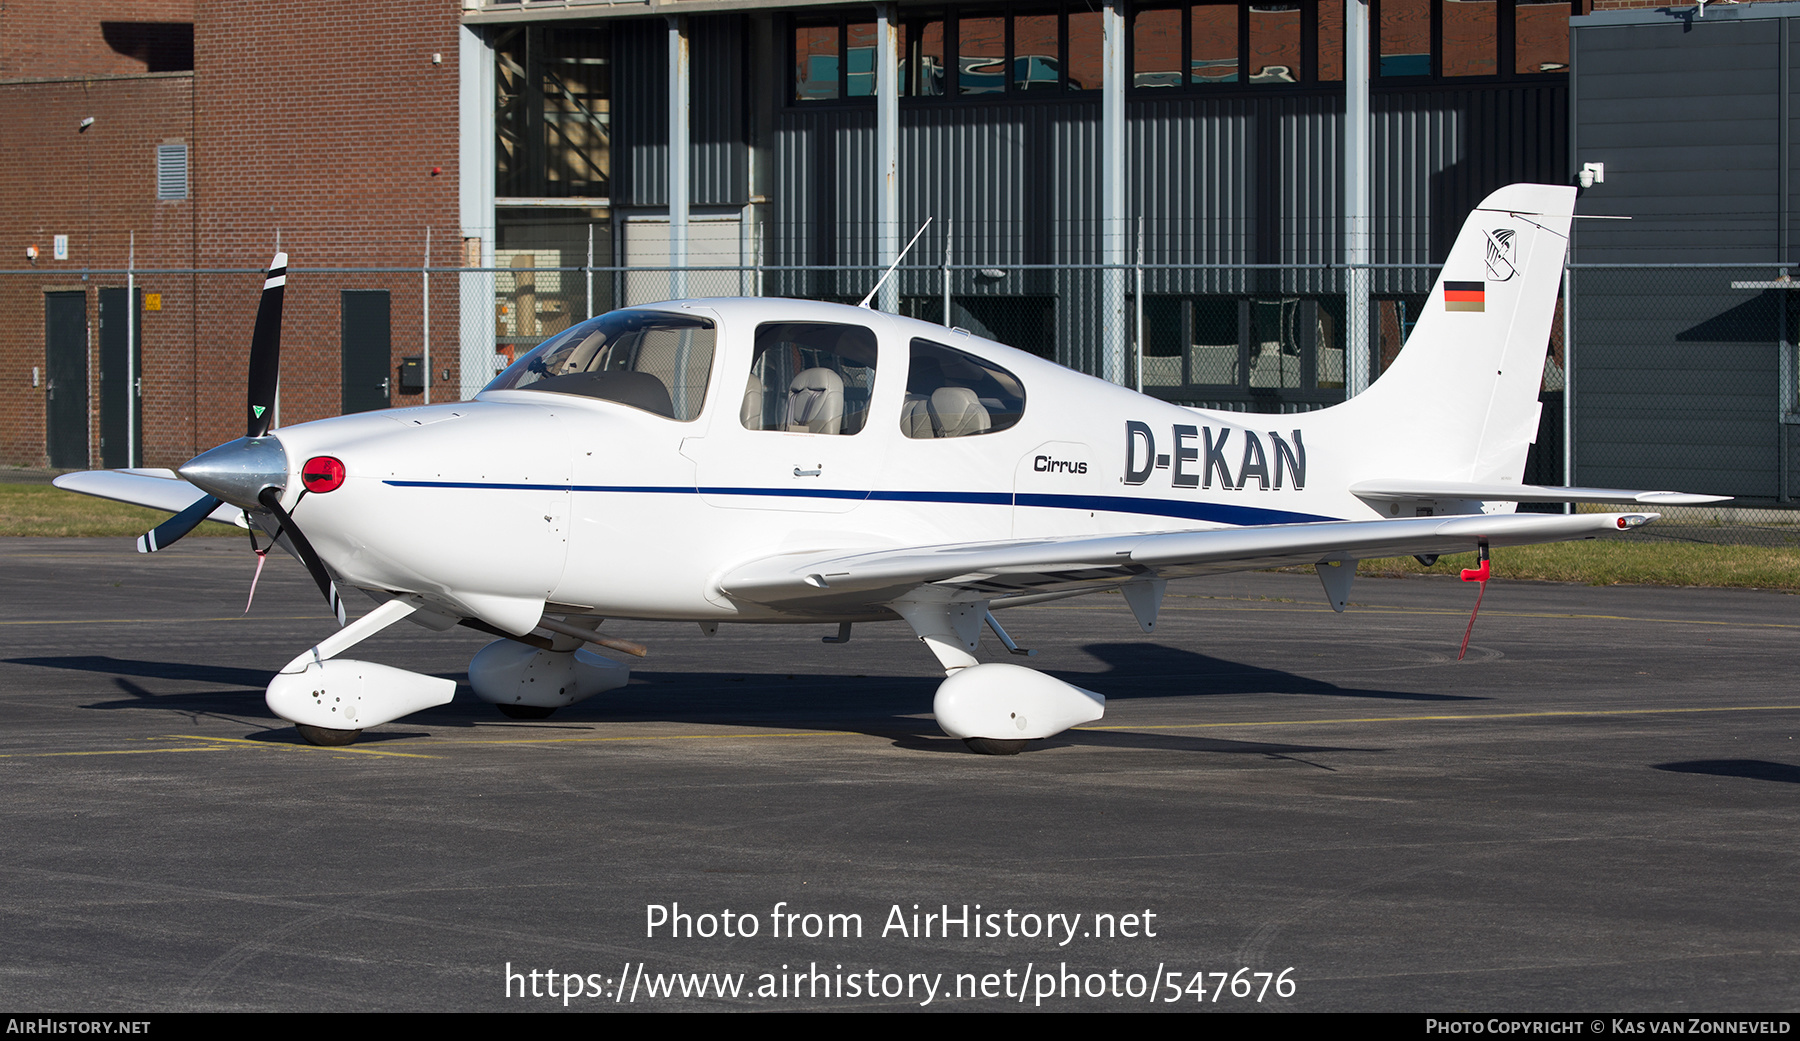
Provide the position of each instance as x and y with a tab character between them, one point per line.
1310	82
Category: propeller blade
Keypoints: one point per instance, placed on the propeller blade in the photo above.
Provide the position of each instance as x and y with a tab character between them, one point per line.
265	350
165	534
271	499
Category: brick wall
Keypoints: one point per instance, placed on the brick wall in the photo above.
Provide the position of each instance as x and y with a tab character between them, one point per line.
325	120
318	122
96	186
60	38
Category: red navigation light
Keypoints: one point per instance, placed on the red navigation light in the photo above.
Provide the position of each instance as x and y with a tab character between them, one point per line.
322	474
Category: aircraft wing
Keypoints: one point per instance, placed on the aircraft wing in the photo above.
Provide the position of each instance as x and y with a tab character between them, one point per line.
1400	490
157	489
828	581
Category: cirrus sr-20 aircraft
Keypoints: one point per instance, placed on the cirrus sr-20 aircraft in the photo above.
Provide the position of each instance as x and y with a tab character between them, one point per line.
786	461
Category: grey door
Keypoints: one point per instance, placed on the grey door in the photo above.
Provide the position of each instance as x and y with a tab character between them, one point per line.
119	371
367	349
65	379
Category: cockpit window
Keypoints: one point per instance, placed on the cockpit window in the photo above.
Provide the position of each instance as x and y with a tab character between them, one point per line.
646	359
810	377
950	393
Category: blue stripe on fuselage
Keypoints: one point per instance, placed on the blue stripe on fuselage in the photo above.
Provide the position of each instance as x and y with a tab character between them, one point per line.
1220	513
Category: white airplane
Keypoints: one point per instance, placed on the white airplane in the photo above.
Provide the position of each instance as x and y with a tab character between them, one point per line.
786	461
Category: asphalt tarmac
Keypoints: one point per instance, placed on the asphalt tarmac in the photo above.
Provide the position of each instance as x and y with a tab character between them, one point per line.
1596	811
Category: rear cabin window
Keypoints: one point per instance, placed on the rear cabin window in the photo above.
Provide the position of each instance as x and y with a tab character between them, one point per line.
810	378
950	393
645	359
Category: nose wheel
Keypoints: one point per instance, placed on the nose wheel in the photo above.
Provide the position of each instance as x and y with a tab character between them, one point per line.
525	711
994	746
325	737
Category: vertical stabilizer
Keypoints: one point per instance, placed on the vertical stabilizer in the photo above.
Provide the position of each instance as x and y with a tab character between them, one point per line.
1461	401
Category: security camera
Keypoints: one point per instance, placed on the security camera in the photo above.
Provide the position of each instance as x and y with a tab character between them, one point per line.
88	122
1591	174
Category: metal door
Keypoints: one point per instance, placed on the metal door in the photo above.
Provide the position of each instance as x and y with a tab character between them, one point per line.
65	379
118	388
367	349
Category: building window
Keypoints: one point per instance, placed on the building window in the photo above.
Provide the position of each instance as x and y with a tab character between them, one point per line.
1213	43
1274	349
172	171
973	55
554	118
1403	38
1471	37
1462	39
1541	37
1156	47
977	53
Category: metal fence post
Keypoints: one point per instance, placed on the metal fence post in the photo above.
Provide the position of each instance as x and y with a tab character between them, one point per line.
947	230
1138	309
1568	416
1784	394
425	292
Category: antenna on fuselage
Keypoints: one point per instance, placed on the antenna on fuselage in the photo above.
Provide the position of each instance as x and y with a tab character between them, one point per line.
895	264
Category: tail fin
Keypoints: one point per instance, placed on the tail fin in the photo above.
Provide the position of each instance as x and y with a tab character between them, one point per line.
1461	401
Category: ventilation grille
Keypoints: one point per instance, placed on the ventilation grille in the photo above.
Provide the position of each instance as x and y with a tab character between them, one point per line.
171	171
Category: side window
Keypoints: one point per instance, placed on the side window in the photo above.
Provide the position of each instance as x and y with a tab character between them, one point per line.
953	394
810	377
646	359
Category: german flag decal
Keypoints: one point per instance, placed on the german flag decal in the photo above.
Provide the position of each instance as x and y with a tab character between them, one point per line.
1465	296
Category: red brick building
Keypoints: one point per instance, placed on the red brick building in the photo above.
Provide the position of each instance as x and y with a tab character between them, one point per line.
217	129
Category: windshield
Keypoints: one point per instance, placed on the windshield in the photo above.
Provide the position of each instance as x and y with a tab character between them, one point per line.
646	359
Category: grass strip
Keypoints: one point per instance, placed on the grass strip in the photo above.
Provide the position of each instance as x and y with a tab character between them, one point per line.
40	509
1607	562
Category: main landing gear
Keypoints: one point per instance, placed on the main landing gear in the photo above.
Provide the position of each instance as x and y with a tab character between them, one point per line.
996	708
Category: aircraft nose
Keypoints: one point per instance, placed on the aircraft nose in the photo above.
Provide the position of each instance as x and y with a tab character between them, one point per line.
238	471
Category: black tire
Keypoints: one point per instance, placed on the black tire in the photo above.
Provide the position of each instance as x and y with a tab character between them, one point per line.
994	746
325	737
525	711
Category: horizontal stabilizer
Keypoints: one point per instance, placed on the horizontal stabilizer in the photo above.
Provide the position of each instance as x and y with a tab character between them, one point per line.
156	489
1483	491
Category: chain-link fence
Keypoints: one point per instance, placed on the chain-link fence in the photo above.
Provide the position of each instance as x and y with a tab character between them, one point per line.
1669	377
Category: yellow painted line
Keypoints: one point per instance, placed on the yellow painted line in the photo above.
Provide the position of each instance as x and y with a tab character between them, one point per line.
214	744
635	737
113	751
1466	717
148	621
226	744
287	746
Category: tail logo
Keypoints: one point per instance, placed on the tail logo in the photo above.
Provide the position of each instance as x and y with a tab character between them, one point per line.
1501	254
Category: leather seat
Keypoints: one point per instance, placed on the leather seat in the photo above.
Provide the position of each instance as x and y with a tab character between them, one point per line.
816	402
